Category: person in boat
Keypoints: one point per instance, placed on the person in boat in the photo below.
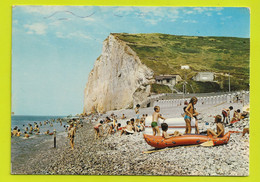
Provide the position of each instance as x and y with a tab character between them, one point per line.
155	117
165	134
190	113
226	114
98	129
220	128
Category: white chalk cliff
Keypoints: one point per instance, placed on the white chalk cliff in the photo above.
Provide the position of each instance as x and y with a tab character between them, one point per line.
118	80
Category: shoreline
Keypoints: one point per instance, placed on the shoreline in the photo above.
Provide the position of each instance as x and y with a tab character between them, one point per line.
114	155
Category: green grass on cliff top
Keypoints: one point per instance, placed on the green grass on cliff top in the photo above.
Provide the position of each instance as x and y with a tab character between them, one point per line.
165	54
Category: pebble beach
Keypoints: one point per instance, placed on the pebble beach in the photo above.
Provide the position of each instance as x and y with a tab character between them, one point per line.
123	155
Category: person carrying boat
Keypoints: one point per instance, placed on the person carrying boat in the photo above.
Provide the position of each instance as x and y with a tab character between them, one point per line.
190	113
220	128
156	115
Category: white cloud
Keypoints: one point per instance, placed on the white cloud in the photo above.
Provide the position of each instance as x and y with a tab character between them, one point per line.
190	21
43	10
72	35
203	10
36	28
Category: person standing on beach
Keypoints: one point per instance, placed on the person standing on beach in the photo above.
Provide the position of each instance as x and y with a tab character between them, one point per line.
155	117
137	113
226	114
72	132
98	128
190	113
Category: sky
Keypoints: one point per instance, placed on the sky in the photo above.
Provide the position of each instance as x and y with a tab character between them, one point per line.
54	48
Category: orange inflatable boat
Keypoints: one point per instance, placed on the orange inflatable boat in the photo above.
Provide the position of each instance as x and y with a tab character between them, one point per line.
191	139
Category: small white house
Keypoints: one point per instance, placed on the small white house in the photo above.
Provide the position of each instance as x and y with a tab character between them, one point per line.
204	77
186	67
167	79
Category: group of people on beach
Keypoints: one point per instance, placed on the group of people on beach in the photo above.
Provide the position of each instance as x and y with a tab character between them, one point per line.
189	113
137	124
133	125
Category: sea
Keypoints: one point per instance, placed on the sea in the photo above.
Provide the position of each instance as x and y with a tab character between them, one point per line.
22	147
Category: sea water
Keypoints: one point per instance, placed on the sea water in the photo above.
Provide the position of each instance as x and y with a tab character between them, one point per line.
22	147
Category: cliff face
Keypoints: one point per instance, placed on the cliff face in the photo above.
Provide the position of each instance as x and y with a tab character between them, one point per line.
117	79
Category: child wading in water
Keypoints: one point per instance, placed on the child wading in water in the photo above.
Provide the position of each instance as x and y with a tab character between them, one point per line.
190	113
165	134
155	117
220	128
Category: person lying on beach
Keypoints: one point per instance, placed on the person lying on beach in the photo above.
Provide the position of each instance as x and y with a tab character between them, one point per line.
155	117
98	129
220	128
165	134
128	129
226	114
72	132
26	135
189	113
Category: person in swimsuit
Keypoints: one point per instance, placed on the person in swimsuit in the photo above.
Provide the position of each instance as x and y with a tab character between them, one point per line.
189	113
97	129
165	134
220	128
137	113
72	132
226	115
18	133
128	130
156	115
26	135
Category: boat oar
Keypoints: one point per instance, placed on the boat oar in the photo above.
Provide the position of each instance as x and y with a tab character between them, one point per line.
207	144
164	149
